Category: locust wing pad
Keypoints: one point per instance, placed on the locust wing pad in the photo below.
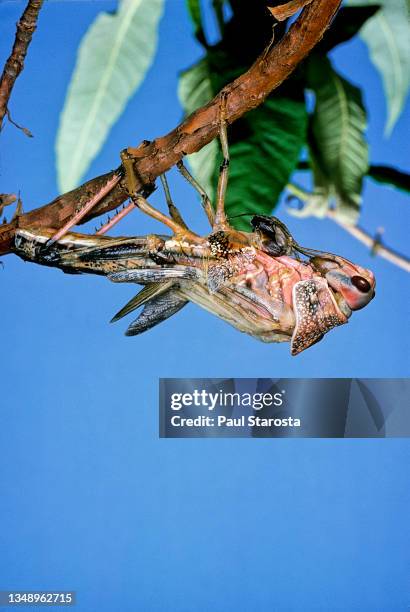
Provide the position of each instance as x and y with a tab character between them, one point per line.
316	313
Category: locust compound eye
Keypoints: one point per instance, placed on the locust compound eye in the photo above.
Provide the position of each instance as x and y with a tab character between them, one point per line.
361	284
356	290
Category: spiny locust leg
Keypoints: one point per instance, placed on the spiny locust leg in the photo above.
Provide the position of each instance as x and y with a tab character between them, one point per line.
117	217
127	164
131	188
75	219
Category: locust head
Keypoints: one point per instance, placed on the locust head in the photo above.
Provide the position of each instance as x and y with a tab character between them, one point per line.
352	285
328	298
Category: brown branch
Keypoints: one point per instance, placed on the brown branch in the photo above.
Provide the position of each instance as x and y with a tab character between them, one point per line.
374	245
15	62
248	91
284	11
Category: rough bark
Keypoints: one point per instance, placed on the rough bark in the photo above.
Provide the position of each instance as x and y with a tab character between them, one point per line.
247	92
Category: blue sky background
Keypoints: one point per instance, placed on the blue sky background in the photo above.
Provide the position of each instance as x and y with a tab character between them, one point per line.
91	499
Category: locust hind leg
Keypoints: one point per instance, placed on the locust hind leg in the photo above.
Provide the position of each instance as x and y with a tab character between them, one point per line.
115	219
205	201
82	212
173	210
175	222
179	230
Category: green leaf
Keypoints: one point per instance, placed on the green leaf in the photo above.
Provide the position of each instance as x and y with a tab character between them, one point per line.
264	150
387	36
218	6
338	126
194	9
112	61
264	145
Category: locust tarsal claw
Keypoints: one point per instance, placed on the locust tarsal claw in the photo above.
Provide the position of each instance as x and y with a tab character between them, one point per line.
129	172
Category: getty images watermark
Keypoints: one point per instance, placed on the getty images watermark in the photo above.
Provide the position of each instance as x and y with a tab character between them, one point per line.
203	399
284	408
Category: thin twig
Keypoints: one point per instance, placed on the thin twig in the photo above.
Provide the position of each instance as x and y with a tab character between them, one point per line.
374	243
25	130
15	62
152	159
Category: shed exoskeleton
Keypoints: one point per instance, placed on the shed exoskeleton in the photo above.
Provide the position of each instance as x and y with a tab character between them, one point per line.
262	282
